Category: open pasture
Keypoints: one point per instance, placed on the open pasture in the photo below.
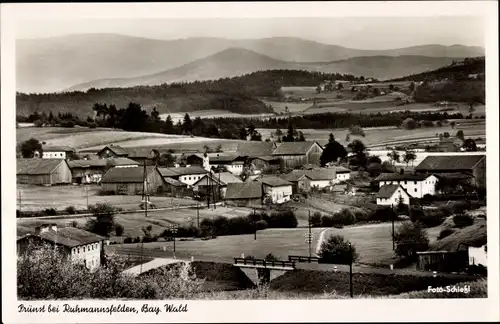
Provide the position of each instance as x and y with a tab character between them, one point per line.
211	113
59	197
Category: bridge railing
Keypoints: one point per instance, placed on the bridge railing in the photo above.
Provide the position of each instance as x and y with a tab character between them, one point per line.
264	263
303	259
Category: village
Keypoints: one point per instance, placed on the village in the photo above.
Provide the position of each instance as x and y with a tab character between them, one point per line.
262	177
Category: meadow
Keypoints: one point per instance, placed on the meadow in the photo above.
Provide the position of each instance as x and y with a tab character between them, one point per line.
210	113
59	197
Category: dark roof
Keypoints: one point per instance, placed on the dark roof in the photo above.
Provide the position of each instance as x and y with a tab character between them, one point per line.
222	158
224	177
57	149
341	169
449	162
274	181
387	191
316	174
118	150
245	190
266	158
400	177
126	175
101	162
168	172
293	148
255	148
173	182
453	175
69	236
189	170
37	166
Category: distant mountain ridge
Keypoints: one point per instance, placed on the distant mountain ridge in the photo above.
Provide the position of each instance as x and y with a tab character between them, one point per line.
54	64
236	61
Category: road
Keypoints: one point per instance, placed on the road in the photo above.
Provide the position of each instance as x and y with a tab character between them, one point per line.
136	251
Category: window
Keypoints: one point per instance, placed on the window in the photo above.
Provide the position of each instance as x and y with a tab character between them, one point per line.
415	182
415	189
405	181
78	250
84	249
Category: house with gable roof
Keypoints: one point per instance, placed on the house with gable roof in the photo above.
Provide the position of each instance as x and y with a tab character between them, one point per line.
295	154
43	171
391	195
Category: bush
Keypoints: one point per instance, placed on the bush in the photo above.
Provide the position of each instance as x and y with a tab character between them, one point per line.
316	219
463	220
445	232
344	217
337	250
106	193
104	222
261	225
271	257
410	238
383	214
283	219
67	123
127	240
137	239
70	210
50	211
455	207
429	217
185	231
118	230
326	221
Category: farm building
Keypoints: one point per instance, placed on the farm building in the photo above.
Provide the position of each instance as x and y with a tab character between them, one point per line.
91	171
43	171
187	175
472	165
77	244
304	180
130	181
417	185
215	182
112	151
318	178
253	149
246	194
390	195
231	162
277	189
175	188
58	152
342	174
296	154
264	164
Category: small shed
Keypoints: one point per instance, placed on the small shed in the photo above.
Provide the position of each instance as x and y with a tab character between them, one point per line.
43	171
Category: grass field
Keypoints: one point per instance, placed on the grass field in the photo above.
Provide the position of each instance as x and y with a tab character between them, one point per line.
60	197
280	242
211	113
293	107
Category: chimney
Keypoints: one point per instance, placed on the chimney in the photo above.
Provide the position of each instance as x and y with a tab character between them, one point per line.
53	227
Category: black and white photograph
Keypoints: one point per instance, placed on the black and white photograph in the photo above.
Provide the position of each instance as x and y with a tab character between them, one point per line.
170	158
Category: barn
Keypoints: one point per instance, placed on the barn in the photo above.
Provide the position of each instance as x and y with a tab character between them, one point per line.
91	171
43	171
254	149
246	194
472	165
296	154
130	181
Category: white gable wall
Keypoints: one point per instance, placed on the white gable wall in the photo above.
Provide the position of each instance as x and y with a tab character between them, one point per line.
416	188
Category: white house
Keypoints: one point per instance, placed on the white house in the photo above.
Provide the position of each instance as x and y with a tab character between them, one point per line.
417	185
77	244
478	255
278	189
342	174
56	152
233	163
391	195
188	175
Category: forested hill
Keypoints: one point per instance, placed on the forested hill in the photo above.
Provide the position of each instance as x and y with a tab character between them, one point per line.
460	70
237	94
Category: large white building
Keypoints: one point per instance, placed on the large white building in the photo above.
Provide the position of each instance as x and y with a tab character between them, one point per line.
56	152
416	185
77	244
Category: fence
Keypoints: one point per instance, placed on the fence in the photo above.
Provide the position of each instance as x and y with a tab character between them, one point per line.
443	261
264	263
304	259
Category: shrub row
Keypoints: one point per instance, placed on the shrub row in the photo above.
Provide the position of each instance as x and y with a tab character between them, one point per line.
350	216
49	212
435	217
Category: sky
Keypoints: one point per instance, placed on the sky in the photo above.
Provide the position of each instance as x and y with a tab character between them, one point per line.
353	32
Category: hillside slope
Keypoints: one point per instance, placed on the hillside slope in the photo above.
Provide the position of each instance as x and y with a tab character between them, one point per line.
53	64
236	61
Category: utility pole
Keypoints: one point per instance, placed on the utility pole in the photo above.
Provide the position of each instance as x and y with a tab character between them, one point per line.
350	270
310	235
20	201
142	247
87	193
198	214
393	216
255	226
